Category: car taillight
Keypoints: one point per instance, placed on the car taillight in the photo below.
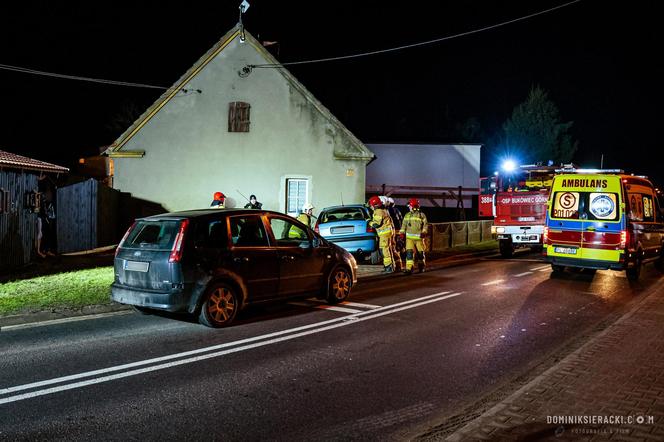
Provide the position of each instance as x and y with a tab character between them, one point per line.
370	229
316	229
545	235
117	249
176	251
623	239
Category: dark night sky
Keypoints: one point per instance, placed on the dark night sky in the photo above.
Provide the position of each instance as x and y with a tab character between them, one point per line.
600	61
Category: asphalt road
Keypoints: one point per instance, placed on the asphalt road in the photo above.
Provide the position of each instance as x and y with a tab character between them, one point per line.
403	356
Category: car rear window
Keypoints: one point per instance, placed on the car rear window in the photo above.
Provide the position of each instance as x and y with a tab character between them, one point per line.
152	235
343	214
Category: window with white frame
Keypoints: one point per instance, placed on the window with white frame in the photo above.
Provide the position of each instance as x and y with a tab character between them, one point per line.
296	194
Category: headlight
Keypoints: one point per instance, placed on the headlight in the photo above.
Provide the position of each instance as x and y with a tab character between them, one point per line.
500	229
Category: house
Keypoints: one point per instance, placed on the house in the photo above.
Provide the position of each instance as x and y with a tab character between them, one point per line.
226	127
21	192
440	175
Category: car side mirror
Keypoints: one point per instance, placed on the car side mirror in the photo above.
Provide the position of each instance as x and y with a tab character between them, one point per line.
316	242
305	244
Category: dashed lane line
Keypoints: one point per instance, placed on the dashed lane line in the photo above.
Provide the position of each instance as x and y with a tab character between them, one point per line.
523	274
494	282
540	268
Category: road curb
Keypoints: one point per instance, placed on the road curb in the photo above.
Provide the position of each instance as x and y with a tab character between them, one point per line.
43	316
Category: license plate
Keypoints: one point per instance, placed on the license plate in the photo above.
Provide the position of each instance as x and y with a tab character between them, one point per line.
565	250
526	218
340	230
136	266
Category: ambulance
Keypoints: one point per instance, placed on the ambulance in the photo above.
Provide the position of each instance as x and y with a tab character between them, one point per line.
603	219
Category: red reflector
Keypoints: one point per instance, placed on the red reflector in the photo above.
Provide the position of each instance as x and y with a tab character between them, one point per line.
370	229
124	238
176	251
623	239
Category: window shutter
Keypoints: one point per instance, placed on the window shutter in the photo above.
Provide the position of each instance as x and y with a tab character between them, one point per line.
239	116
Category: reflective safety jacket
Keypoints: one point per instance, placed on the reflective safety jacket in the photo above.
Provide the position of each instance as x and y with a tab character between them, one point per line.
382	222
296	232
414	225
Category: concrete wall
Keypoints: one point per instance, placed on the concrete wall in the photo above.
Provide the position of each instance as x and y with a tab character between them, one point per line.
189	153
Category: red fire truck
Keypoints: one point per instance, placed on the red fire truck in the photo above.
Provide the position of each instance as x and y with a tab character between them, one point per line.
516	200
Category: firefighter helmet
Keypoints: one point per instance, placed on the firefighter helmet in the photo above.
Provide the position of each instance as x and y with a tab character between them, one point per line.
218	196
375	201
414	203
307	206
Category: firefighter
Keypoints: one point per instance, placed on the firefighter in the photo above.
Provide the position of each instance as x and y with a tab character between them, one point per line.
397	245
218	201
414	228
382	222
304	218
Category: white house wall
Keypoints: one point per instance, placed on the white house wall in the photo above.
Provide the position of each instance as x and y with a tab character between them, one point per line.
189	153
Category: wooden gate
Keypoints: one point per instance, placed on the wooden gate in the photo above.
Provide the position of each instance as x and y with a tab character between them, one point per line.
87	216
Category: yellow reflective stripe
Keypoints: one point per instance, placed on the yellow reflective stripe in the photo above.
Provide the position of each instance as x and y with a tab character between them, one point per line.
585	253
412	235
602	255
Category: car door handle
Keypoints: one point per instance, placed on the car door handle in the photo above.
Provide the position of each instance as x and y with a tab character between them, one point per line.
288	258
243	259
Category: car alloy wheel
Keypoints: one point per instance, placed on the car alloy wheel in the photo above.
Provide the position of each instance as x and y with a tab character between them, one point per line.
340	284
220	306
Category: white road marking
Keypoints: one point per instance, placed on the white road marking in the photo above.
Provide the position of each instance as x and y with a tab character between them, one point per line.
523	274
338	309
325	307
309	329
494	282
546	269
65	320
357	304
317	303
534	269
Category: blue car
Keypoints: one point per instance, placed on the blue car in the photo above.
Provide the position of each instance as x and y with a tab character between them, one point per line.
348	227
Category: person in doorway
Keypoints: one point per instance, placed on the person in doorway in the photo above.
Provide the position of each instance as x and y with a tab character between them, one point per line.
218	200
253	203
414	229
48	240
39	235
382	222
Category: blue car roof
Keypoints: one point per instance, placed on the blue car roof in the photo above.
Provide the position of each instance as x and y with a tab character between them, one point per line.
352	206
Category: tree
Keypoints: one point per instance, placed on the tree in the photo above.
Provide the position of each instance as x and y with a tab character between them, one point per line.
536	130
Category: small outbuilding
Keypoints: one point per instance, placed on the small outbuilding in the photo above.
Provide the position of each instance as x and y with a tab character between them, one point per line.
440	175
21	195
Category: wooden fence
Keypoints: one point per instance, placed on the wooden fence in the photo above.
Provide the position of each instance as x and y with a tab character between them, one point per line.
87	216
445	235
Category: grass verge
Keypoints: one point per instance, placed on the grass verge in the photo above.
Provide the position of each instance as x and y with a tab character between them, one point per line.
64	290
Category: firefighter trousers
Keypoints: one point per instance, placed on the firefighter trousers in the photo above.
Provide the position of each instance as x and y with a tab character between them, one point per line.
396	254
385	245
412	246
